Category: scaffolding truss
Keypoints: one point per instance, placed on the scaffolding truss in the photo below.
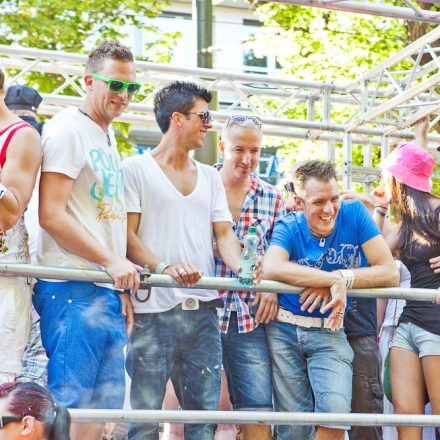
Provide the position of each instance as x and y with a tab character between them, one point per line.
405	10
382	104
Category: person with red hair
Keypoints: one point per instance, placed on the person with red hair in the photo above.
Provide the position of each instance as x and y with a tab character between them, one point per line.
27	411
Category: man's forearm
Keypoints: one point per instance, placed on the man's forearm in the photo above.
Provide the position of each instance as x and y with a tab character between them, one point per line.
70	235
140	254
385	275
297	275
230	250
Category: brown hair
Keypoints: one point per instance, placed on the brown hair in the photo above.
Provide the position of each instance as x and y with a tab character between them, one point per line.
418	216
107	49
2	80
313	169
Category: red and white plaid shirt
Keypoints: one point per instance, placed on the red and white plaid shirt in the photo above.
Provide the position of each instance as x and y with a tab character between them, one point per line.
262	207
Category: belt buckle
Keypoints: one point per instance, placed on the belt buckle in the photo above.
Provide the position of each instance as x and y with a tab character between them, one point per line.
190	304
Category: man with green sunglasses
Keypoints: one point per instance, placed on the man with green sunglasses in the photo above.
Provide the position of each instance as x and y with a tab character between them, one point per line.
83	216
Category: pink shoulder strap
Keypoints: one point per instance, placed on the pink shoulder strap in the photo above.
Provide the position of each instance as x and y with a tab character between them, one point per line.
13	129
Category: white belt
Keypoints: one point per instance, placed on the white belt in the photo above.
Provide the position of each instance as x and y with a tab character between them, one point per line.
287	317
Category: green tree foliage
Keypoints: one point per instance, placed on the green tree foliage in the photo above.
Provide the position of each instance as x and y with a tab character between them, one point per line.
317	44
71	25
333	46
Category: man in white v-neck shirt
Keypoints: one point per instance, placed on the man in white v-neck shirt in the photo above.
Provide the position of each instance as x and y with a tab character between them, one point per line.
175	208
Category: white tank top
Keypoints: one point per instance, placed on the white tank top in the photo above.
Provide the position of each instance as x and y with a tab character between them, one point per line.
14	241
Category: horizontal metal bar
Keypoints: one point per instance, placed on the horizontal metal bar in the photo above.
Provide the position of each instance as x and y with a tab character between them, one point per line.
209	74
253	417
210	283
272	126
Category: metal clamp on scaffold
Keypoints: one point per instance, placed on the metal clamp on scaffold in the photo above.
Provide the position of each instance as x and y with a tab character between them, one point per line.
144	275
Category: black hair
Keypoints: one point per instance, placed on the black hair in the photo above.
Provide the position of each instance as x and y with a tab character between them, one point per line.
179	96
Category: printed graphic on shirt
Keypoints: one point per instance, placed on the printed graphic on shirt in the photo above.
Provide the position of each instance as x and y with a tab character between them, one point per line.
348	257
108	189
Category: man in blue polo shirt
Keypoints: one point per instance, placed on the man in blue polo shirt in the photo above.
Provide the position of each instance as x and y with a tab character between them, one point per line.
327	247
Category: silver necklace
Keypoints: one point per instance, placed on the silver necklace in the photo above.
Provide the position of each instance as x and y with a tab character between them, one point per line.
109	142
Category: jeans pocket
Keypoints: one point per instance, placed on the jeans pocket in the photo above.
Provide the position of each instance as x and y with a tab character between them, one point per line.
376	391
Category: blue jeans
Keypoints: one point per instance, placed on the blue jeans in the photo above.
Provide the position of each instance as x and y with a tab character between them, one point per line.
247	365
83	333
311	371
183	345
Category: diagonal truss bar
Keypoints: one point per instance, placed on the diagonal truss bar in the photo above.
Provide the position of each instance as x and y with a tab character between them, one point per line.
409	50
371	8
396	101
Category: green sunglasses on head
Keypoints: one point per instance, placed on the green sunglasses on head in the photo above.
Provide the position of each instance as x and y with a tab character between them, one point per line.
116	85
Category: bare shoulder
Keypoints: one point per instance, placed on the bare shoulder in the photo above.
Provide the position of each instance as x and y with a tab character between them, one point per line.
25	141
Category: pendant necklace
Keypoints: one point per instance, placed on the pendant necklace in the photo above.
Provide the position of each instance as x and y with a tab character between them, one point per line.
109	142
321	236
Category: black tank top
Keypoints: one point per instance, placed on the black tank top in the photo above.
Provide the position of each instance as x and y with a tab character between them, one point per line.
416	258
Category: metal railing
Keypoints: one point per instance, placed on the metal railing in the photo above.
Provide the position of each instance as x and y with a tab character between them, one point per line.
253	417
212	283
236	417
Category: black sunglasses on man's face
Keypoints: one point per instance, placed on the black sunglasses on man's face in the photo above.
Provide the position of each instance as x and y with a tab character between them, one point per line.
205	117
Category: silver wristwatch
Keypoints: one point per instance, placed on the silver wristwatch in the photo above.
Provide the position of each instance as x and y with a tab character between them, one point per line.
161	267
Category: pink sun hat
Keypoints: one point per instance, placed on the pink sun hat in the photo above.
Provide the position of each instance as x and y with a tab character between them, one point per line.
412	165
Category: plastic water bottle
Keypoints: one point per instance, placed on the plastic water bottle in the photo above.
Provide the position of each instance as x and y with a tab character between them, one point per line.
248	258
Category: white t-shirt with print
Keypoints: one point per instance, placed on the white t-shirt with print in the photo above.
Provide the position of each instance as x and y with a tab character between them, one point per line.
174	227
78	148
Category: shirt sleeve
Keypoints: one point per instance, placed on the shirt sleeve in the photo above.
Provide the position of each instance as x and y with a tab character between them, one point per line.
63	153
283	235
220	207
367	228
132	188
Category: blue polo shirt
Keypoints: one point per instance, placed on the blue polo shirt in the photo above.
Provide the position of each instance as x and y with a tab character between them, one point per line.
342	249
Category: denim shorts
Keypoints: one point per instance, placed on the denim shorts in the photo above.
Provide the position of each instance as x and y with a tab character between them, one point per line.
311	371
413	338
83	333
247	365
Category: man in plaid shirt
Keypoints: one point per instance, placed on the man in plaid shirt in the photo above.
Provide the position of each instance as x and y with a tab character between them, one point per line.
251	202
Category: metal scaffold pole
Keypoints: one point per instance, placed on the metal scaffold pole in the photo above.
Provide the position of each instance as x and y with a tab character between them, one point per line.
202	20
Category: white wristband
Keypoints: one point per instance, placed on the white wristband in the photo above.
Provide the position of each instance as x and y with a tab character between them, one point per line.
161	267
348	276
3	190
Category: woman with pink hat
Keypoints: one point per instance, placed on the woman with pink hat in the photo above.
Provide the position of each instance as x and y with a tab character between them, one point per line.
415	353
